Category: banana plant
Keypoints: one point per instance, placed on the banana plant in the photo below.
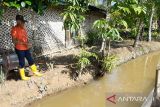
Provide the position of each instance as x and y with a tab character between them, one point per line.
73	16
109	62
84	59
73	20
106	32
134	13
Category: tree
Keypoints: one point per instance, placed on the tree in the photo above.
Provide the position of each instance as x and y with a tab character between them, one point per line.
37	5
152	9
134	13
73	16
109	27
106	32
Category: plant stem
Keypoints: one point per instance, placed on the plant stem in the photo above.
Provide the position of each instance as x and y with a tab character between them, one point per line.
150	24
109	47
140	26
103	47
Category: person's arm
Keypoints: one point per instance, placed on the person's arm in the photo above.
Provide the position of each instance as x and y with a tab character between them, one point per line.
16	41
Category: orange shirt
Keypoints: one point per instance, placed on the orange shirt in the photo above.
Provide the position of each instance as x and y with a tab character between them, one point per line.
20	34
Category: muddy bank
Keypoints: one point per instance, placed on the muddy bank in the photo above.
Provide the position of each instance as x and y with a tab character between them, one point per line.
127	52
19	93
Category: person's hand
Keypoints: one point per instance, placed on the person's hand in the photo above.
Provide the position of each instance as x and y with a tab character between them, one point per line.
20	42
29	45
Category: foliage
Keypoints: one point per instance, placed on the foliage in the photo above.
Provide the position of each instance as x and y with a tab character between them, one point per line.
105	30
114	35
135	12
109	62
18	4
93	37
73	15
82	39
84	59
131	11
37	5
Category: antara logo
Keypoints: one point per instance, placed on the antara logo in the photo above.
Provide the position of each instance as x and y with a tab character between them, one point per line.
112	99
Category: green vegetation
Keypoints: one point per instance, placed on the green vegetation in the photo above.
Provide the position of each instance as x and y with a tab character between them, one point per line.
109	62
82	39
84	59
106	32
92	38
73	17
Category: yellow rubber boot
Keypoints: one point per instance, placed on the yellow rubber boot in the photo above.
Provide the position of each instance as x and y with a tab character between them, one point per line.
22	74
35	71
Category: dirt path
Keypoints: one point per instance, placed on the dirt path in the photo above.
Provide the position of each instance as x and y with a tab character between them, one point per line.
17	93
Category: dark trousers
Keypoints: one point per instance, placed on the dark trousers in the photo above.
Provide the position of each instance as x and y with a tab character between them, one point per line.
22	54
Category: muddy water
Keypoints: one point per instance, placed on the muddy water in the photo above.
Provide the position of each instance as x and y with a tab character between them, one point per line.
136	76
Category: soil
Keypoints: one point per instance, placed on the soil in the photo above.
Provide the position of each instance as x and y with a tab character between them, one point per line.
58	76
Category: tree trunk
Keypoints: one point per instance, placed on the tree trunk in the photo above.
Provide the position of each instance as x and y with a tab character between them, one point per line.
103	47
141	34
150	24
158	23
138	34
109	47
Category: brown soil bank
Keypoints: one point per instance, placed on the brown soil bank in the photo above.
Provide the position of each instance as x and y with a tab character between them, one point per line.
19	93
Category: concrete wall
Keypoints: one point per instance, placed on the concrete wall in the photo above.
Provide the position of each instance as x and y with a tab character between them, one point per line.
45	32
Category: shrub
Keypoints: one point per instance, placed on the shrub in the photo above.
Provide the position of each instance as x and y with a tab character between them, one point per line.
82	39
109	62
84	59
92	38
